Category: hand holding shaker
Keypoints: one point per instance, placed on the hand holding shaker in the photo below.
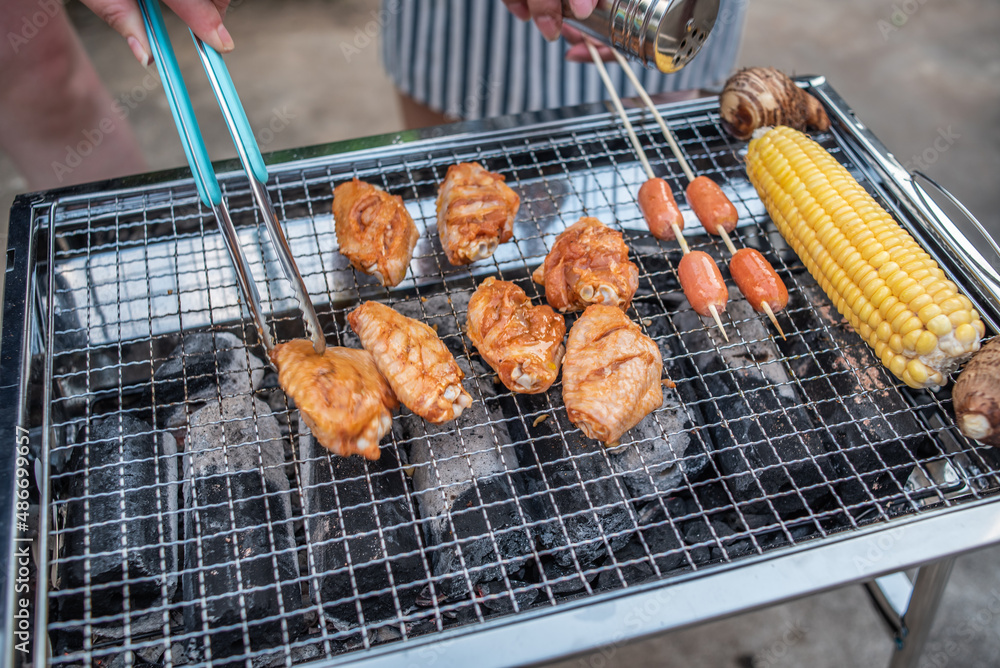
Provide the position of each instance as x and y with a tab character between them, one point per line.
664	34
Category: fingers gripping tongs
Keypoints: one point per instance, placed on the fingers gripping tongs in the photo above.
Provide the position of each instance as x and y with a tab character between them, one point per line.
204	175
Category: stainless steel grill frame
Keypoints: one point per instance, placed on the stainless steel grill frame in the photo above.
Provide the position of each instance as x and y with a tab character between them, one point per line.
103	282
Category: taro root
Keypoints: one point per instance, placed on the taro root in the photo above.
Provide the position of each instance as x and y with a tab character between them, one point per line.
758	97
977	396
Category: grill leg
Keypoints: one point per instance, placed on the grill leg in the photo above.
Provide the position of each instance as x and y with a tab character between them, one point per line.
916	621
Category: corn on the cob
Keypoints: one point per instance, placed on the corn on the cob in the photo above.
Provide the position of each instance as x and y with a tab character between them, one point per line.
890	290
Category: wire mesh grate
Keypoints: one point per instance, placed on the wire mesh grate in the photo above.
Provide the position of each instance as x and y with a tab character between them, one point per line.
196	522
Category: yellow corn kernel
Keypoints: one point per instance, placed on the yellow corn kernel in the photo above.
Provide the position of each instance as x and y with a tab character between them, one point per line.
874	285
891	308
881	295
888	270
865	312
898	365
960	317
966	334
884	330
920	301
918	371
910	340
928	313
901	318
939	325
911	325
879	258
911	291
947	300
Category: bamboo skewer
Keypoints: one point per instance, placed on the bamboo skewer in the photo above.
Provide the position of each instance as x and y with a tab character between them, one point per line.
682	161
603	72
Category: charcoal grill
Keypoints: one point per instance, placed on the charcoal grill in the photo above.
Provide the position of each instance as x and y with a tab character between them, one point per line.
188	519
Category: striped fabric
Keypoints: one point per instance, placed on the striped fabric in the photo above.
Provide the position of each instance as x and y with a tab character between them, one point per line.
473	59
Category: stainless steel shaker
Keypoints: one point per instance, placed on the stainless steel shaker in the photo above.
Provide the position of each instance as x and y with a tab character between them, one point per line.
664	34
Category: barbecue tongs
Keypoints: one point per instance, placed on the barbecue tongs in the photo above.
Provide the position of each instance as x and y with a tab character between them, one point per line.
204	175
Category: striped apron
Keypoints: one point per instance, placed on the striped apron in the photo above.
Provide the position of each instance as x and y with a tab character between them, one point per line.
473	59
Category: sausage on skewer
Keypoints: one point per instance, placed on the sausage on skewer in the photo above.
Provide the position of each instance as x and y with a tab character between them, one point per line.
711	205
703	284
759	283
718	216
702	281
660	209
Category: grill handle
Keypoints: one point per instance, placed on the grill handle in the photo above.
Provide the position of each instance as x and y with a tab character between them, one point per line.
978	259
927	217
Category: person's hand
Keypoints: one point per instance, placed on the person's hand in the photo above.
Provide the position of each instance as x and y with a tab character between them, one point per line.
578	53
203	16
547	14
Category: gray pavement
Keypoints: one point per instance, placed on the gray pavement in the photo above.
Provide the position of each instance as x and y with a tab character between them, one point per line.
913	70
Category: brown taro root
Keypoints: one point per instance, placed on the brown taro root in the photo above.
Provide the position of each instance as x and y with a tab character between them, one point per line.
758	97
977	396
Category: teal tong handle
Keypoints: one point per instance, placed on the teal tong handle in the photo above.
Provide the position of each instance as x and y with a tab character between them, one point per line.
232	108
180	105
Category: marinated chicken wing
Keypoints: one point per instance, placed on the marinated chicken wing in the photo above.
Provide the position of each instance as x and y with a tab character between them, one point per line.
611	374
374	230
475	212
588	264
341	396
419	367
523	343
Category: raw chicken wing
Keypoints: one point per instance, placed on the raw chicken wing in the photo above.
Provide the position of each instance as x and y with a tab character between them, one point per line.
419	367
523	343
374	230
611	374
475	212
340	394
588	264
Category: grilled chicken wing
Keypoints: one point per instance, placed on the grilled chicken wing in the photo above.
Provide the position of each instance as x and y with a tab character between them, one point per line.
341	396
523	343
419	367
374	230
588	264
475	212
611	374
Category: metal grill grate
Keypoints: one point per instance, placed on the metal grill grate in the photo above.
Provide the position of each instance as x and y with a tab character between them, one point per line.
193	520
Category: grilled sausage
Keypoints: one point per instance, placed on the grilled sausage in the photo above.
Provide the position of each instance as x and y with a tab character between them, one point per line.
711	205
660	209
757	280
702	283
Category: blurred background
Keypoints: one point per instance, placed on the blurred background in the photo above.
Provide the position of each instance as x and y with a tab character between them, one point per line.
921	74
